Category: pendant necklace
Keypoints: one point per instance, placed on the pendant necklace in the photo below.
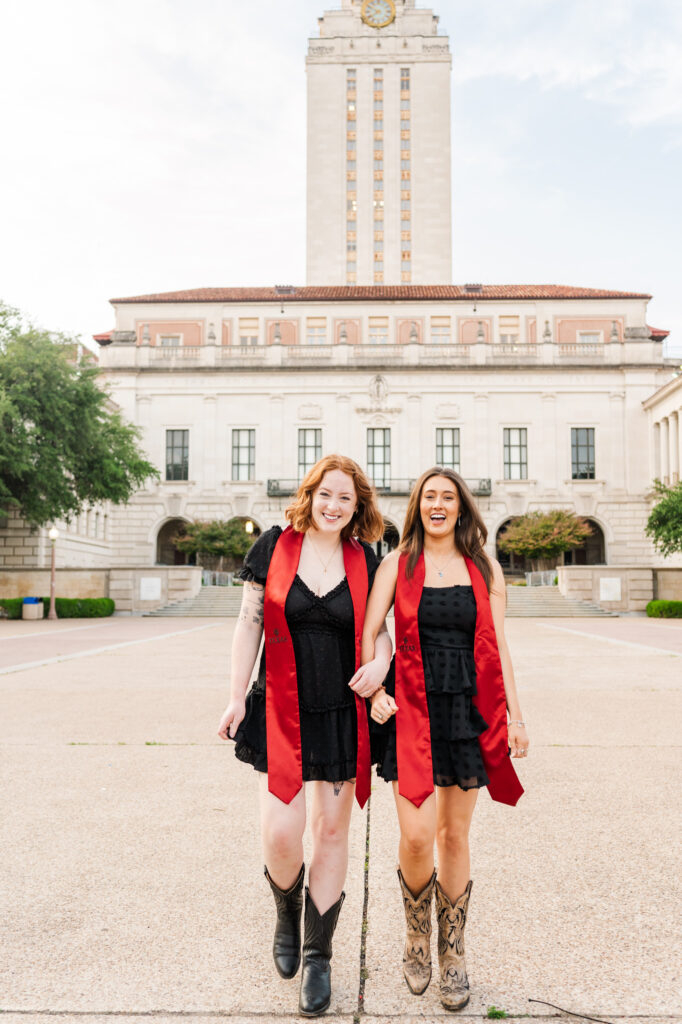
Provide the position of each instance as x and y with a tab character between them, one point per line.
325	565
438	570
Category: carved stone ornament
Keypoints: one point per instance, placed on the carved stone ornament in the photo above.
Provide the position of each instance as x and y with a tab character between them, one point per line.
378	390
310	412
447	411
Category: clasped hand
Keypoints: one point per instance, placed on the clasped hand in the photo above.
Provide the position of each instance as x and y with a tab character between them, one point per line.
369	678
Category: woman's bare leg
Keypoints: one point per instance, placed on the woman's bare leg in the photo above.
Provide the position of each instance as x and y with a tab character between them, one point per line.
282	827
329	821
455	808
417	834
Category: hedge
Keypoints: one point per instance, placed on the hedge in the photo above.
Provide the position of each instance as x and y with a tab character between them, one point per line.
12	606
664	609
81	607
67	608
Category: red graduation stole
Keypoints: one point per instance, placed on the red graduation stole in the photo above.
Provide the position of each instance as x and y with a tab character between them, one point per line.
413	735
282	717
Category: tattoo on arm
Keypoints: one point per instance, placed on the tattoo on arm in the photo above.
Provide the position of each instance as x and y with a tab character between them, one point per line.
338	786
252	604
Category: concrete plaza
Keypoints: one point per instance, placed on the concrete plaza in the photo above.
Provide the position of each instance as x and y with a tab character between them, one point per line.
131	876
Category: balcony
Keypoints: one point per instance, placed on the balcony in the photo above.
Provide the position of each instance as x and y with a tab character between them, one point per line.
224	358
480	487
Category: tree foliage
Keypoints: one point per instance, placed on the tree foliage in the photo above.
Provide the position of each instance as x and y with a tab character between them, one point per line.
664	524
63	445
217	540
544	535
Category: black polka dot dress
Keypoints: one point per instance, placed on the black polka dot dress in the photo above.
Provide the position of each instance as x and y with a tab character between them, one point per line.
447	623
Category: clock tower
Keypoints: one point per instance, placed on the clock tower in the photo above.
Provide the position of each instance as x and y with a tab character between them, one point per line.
379	190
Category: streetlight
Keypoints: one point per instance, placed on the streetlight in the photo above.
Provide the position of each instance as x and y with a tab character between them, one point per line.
248	526
54	536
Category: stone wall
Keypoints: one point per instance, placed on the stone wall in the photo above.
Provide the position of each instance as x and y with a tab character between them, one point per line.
134	591
668	584
616	588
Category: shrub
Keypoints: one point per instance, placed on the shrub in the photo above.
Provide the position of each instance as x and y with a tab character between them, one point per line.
664	609
81	607
12	606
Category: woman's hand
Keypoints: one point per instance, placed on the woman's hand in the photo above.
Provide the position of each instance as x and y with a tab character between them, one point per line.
383	706
369	677
518	739
231	720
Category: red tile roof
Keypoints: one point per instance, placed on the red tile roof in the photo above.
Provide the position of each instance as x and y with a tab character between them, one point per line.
407	292
103	339
656	334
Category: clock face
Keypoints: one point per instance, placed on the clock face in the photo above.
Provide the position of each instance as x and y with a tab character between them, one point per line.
378	13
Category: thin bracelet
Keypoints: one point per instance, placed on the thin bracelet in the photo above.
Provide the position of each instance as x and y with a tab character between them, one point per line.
522	724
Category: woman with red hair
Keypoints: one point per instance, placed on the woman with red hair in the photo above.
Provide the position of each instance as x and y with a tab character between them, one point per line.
443	713
305	718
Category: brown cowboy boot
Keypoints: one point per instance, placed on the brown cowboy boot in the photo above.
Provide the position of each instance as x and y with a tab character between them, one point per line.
417	953
454	984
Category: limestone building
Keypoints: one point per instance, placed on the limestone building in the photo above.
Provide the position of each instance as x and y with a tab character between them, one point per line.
539	395
378	144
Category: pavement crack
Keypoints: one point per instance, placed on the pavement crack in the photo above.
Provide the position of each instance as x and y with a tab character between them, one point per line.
363	930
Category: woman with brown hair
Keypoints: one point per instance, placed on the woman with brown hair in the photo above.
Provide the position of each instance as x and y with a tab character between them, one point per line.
305	718
443	709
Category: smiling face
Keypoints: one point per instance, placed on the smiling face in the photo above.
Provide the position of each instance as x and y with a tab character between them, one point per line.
439	506
334	502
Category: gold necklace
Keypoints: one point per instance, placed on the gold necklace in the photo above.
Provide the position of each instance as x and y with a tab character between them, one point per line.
438	570
325	566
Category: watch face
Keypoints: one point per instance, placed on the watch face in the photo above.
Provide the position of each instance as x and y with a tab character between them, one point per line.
378	13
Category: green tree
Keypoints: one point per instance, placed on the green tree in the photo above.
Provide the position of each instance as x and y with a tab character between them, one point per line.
664	524
63	444
541	536
216	540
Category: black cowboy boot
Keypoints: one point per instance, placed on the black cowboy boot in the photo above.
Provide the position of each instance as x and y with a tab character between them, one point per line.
286	948
316	975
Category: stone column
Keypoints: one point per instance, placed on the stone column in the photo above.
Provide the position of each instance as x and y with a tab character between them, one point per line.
664	464
674	447
413	458
679	444
483	467
551	466
209	469
617	447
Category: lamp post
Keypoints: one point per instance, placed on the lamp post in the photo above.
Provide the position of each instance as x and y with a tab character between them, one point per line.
248	526
53	535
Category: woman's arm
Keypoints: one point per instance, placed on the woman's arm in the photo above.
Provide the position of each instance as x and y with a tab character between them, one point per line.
518	737
245	645
376	643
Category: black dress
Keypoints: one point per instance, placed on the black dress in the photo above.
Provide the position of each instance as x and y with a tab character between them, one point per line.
323	635
447	623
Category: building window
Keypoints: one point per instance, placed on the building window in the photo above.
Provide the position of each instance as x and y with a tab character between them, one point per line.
177	455
515	453
170	340
379	455
447	447
440	335
243	454
589	337
309	449
404	79
582	453
509	330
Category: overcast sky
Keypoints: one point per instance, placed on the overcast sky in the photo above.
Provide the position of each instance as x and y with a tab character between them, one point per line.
160	144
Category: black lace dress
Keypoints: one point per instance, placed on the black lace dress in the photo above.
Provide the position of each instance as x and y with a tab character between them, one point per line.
447	622
322	632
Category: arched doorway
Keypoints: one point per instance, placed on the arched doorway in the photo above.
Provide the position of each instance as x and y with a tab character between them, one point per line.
166	551
592	552
389	540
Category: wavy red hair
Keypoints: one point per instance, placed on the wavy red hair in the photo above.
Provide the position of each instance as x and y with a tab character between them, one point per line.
367	524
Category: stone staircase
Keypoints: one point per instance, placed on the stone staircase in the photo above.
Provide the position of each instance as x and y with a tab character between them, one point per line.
547	602
522	602
210	602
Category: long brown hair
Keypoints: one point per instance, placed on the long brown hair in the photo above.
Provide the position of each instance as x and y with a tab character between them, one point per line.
367	523
470	534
